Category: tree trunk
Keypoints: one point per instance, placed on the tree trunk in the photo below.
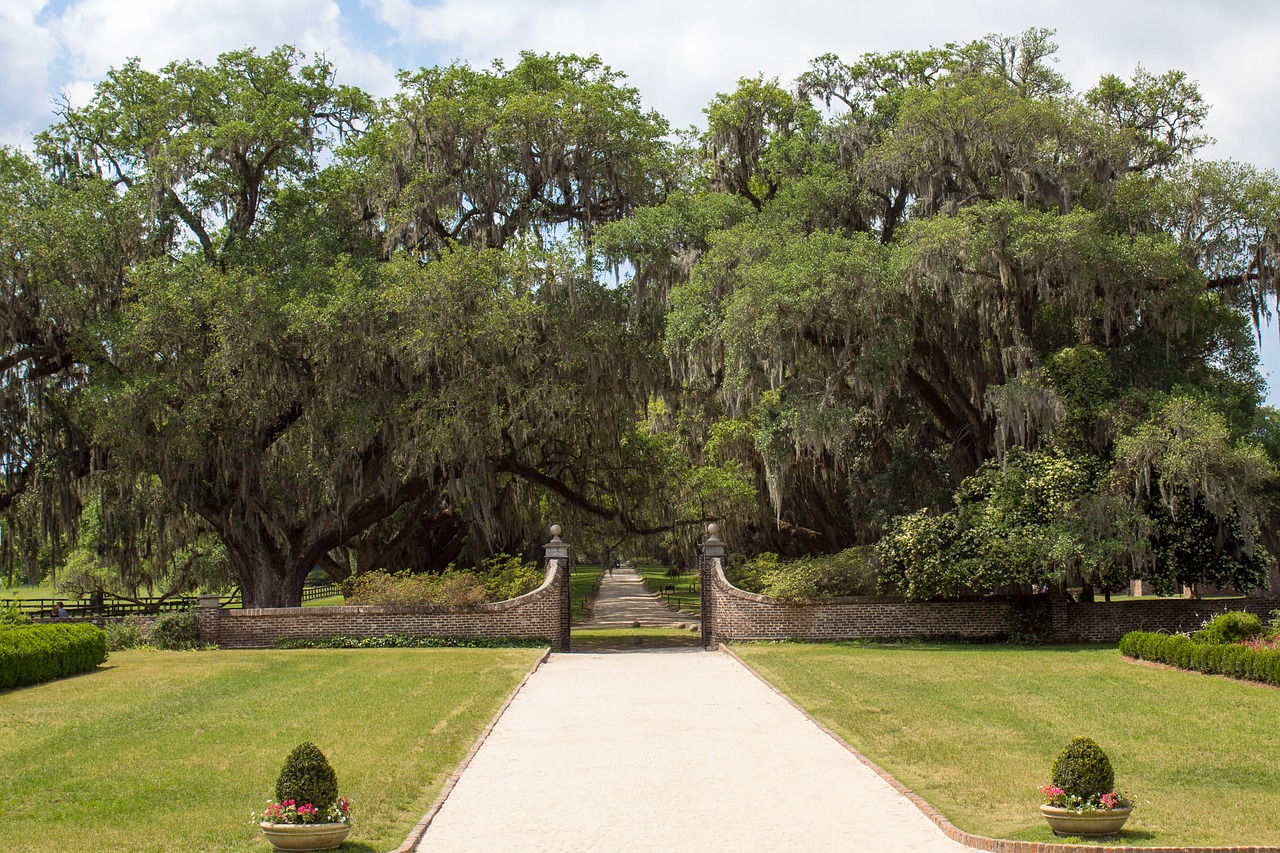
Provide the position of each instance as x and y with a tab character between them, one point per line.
269	577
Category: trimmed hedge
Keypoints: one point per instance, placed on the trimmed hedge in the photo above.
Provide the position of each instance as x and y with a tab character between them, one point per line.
409	641
1183	652
31	654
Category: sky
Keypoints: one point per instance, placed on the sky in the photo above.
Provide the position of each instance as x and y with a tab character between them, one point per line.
678	53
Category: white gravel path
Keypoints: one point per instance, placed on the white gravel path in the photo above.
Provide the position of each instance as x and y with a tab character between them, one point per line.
667	750
623	600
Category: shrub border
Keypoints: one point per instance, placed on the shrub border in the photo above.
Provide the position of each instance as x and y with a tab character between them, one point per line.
53	651
1236	661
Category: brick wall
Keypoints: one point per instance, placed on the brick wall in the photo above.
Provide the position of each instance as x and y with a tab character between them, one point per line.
542	613
733	614
739	615
1103	622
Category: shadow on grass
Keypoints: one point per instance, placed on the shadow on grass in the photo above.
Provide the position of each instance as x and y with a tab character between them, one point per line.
632	639
1137	837
357	847
97	670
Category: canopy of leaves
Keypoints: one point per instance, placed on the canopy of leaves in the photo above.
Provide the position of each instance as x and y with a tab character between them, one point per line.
935	298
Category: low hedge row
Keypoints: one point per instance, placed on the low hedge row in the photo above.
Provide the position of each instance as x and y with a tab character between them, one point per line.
409	641
30	654
1181	651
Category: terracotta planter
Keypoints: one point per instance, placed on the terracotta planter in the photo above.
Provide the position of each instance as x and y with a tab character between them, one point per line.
305	836
1067	822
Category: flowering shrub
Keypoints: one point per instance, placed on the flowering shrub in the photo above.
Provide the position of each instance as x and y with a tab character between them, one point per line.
1264	641
1058	798
290	812
1230	627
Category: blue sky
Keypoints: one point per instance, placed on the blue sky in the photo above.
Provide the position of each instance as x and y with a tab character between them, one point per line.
678	53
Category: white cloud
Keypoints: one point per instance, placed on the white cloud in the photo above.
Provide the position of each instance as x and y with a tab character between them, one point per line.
26	50
96	35
679	53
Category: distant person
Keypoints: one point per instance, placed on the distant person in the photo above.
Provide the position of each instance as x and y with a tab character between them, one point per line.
60	612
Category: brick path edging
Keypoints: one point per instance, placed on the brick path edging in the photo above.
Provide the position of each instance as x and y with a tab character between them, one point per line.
420	828
980	842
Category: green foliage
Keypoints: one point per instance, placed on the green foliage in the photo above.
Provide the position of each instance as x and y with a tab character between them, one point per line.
177	631
914	557
31	654
11	614
453	588
1251	662
407	641
506	577
1028	621
306	778
851	572
501	578
393	323
122	634
1230	627
1083	770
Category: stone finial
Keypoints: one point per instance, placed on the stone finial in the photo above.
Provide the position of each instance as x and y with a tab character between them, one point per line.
713	546
557	549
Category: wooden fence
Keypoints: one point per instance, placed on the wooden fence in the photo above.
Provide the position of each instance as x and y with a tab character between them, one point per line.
113	606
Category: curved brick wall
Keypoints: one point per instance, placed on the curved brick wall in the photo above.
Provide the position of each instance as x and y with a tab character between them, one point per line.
543	613
733	614
736	614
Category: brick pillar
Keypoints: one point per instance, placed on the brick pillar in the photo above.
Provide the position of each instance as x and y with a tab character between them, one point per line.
562	553
712	549
209	617
1060	618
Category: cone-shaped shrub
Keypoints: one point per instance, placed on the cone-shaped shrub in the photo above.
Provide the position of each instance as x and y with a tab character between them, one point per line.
1083	769
307	778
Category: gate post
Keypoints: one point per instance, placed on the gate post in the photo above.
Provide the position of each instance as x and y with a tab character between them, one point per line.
561	552
712	549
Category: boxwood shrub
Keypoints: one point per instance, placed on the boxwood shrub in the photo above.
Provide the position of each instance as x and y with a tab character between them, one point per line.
30	654
1237	661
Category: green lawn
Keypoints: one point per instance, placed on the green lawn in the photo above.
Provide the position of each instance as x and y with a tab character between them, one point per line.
331	601
29	592
974	729
582	586
621	639
686	597
171	751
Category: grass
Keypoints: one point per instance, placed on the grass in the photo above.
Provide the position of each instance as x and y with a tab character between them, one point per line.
582	586
616	639
27	592
686	597
171	751
974	731
331	601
